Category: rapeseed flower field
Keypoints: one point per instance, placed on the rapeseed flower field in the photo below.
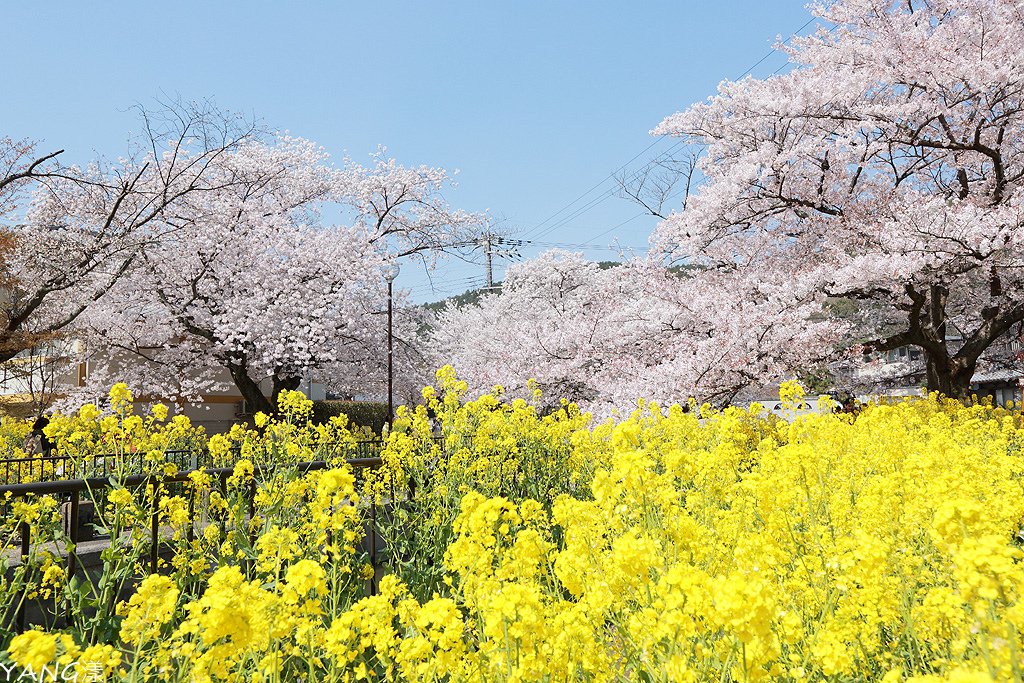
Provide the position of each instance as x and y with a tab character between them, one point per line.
679	543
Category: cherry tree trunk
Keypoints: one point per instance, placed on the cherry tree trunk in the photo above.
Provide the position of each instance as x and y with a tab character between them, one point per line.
256	402
282	384
949	376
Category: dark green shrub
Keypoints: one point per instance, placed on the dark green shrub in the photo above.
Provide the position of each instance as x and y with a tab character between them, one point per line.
368	414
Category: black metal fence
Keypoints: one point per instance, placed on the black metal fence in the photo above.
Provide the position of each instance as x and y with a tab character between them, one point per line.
62	466
34	468
70	492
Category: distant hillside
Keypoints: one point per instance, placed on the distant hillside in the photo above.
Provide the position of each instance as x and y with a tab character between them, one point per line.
472	296
459	300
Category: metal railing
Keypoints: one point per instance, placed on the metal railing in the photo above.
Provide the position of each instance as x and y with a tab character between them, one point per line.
71	490
62	466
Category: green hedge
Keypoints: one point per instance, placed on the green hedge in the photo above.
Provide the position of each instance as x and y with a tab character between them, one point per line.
370	415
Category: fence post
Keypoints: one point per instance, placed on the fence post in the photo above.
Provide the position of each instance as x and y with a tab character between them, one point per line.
73	551
154	550
251	499
191	512
373	545
224	495
250	533
26	548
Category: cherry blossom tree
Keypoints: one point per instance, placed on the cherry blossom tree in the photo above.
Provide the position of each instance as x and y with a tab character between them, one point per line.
404	211
248	281
542	326
78	230
20	165
270	303
605	337
884	170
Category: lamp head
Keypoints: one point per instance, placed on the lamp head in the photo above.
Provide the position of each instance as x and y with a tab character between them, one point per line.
390	271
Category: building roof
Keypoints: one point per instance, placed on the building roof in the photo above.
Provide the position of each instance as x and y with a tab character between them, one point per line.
996	376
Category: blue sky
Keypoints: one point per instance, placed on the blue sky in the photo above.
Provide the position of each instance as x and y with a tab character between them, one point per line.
534	102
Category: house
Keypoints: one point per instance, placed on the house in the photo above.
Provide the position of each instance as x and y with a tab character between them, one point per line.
901	372
37	378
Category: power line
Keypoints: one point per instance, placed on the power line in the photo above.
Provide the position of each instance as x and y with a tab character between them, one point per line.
568	245
608	194
775	49
446	286
614	228
539	229
604	196
602	247
610	176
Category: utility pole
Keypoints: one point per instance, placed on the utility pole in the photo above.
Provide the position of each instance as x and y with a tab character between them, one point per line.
495	245
490	263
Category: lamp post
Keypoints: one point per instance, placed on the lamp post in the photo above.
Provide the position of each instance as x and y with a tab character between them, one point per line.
390	272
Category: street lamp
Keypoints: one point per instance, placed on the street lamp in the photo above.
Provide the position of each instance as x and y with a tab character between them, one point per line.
390	272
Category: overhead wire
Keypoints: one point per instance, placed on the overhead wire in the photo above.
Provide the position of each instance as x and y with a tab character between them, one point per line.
775	49
446	286
610	176
447	283
606	195
540	230
546	226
